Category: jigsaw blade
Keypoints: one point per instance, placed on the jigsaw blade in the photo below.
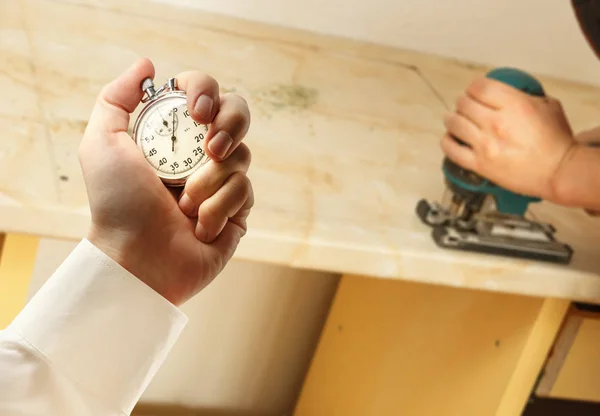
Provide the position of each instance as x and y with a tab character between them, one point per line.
545	248
494	233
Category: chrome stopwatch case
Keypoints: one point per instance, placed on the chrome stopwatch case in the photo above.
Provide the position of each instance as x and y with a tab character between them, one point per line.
171	141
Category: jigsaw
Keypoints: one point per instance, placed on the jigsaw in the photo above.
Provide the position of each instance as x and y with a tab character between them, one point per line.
477	215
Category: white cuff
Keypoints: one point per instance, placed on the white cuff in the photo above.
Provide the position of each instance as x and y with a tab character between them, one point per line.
101	326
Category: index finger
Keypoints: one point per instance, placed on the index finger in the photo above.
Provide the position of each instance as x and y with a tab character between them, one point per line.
202	93
493	93
229	127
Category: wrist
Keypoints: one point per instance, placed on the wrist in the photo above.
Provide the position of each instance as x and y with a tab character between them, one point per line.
563	185
127	252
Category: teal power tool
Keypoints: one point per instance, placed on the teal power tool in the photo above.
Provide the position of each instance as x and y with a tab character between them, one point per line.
477	215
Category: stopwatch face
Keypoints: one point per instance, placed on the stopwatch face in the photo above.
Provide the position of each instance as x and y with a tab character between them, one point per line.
172	142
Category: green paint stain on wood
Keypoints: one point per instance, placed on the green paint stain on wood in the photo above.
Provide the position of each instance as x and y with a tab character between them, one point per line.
289	96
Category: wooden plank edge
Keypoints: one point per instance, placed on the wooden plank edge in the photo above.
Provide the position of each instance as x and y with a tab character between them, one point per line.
562	346
533	356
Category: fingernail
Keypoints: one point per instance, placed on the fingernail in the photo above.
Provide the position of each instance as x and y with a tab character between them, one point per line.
204	106
187	205
220	144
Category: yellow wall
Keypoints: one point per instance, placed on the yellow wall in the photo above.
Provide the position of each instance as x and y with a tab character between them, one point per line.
400	348
16	264
579	376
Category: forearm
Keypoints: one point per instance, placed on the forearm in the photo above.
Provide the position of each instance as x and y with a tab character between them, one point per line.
577	182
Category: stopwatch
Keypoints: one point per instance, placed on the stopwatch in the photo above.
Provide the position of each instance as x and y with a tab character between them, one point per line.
171	141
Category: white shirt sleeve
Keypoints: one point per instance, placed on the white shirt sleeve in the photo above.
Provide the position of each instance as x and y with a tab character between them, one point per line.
88	343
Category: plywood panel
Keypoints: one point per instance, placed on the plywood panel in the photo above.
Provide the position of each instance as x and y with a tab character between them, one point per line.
345	139
394	348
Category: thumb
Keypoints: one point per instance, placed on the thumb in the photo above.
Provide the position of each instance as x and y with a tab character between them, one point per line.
119	98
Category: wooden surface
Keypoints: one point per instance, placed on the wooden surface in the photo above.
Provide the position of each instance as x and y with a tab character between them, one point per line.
344	138
16	265
399	348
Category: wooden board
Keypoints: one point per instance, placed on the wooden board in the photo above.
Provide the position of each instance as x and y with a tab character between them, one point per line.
397	348
344	138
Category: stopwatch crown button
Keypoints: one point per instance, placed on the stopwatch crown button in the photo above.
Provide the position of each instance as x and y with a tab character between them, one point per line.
147	84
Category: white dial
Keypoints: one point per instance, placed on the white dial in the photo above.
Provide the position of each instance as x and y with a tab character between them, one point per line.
172	142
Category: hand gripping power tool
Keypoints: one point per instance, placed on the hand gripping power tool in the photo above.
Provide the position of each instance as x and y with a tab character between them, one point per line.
477	215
